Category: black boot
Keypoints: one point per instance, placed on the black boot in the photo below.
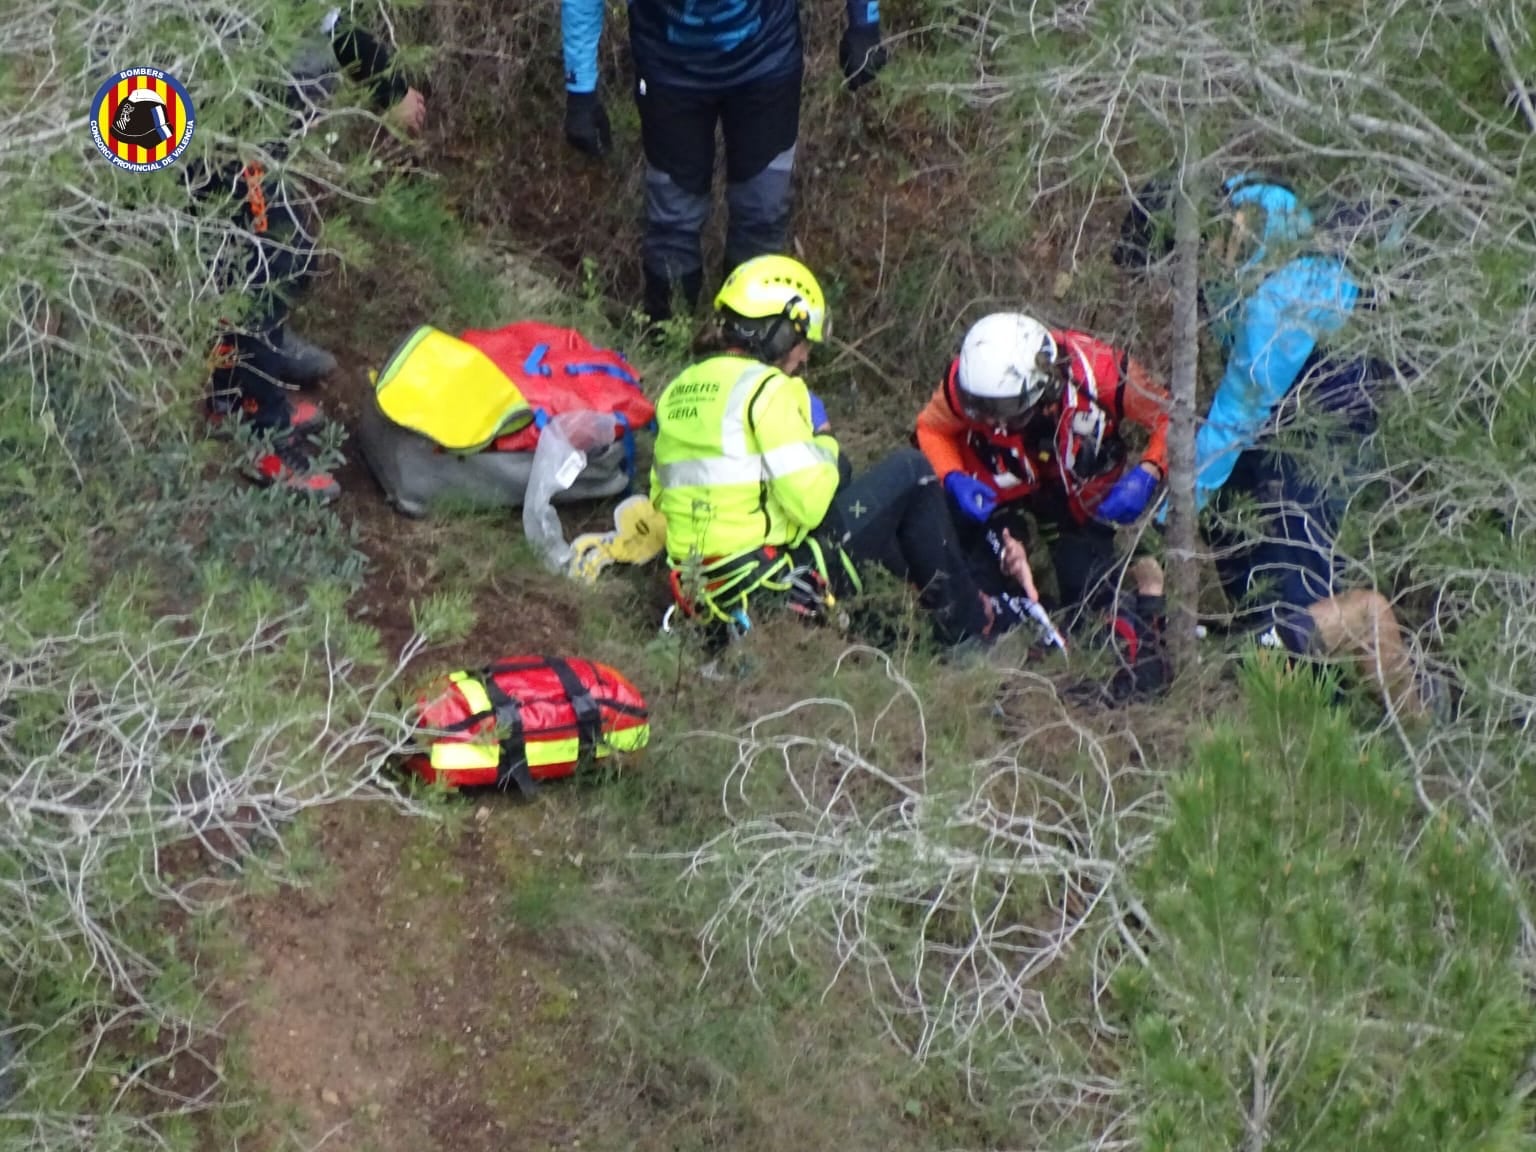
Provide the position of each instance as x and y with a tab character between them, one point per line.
1135	637
1144	670
660	291
303	363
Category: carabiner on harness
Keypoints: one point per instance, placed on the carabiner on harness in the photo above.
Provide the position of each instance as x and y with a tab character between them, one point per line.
739	625
808	593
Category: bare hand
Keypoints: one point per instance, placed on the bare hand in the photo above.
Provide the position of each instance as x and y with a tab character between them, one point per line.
1147	575
1015	565
410	115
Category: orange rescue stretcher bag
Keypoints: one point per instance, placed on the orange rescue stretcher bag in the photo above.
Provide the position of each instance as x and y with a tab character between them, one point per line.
526	719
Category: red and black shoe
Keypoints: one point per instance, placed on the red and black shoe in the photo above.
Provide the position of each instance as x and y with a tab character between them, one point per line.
298	415
304	416
288	464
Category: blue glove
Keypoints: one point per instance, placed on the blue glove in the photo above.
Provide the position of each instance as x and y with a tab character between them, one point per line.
818	414
1128	498
973	497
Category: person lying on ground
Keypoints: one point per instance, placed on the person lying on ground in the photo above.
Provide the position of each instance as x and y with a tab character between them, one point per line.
761	505
257	367
1029	421
735	63
1281	300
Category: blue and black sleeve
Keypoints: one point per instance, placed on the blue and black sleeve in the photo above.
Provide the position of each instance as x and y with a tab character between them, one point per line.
863	13
581	30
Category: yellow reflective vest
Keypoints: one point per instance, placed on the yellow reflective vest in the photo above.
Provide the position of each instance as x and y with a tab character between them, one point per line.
737	465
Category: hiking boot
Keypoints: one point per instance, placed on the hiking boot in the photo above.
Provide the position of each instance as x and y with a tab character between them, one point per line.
302	363
659	292
1120	689
288	464
298	415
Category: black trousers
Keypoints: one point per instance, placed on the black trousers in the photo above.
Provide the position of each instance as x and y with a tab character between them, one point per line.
1292	564
760	122
277	266
896	516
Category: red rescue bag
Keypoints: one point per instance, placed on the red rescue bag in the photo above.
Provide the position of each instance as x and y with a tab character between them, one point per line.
559	370
526	719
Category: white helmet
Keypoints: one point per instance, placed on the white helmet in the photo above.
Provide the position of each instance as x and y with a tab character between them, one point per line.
1006	365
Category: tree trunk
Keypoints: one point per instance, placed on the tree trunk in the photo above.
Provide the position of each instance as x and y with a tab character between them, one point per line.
1183	568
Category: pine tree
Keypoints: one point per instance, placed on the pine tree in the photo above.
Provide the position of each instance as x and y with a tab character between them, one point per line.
1330	968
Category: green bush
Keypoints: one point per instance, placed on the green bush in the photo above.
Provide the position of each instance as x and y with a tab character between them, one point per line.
1327	966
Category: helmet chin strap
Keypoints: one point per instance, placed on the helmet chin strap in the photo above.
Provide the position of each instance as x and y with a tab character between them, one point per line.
773	346
1057	377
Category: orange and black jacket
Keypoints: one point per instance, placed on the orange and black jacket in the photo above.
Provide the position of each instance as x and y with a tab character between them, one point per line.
1072	447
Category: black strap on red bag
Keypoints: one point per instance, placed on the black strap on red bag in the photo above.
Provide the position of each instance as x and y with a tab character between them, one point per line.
513	767
589	717
508	711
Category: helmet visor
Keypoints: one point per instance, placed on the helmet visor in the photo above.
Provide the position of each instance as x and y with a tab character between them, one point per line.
1000	411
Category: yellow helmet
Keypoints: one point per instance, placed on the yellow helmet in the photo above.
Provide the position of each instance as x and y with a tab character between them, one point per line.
767	289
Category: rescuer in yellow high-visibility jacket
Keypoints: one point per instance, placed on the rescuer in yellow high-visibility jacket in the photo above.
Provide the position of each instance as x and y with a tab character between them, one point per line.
738	462
753	489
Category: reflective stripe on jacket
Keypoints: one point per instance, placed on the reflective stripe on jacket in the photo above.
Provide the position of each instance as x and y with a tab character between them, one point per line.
737	464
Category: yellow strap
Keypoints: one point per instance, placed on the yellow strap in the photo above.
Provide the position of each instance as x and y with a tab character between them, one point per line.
454	756
541	753
457	756
737	580
474	692
627	739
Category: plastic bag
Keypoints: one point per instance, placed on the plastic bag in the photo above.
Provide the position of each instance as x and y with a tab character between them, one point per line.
559	458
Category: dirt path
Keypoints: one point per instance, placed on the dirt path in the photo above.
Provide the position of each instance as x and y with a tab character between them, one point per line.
401	1006
397	1004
